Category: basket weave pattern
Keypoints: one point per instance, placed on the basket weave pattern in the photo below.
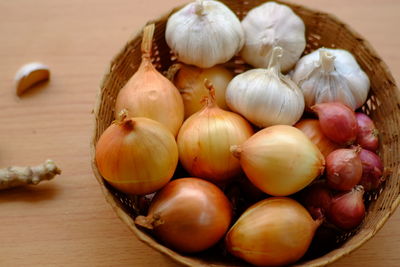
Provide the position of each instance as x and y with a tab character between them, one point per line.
322	30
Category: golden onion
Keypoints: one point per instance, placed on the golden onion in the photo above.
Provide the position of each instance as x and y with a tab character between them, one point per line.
280	160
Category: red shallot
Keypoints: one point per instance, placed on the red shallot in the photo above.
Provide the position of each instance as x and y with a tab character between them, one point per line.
317	199
372	170
367	136
338	122
348	210
343	168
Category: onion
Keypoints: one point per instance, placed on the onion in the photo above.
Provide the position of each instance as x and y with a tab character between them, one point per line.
347	210
190	82
280	160
312	129
367	133
372	170
273	232
338	122
317	199
137	156
343	168
205	138
149	94
188	214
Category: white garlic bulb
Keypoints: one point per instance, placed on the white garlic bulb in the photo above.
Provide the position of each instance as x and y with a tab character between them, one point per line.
331	75
204	33
270	25
265	96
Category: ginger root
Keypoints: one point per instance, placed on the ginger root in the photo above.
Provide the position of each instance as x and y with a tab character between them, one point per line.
19	176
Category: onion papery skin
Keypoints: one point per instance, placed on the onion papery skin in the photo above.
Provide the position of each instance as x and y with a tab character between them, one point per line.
273	232
190	82
189	215
204	142
280	160
137	159
312	129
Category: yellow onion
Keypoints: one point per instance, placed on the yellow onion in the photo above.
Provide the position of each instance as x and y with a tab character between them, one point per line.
205	138
280	160
190	82
273	232
188	214
149	94
137	155
312	129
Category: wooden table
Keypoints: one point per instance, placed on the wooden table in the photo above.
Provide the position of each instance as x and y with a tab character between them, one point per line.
67	221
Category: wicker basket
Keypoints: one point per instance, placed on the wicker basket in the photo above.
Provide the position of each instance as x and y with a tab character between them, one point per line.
324	30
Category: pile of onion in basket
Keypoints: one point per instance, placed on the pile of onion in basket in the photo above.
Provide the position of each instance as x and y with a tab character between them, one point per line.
268	158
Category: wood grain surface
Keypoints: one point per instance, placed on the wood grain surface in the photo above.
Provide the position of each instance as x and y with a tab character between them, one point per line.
67	222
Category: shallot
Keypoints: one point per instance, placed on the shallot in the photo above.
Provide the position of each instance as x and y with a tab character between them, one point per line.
343	168
338	122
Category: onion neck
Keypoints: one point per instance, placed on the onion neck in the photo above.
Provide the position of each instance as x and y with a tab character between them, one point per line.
275	60
326	60
210	99
127	124
318	222
236	151
150	221
172	71
147	41
199	8
359	189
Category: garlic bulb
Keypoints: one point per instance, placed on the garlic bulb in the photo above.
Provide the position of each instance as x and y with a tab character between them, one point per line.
204	33
270	25
331	75
265	96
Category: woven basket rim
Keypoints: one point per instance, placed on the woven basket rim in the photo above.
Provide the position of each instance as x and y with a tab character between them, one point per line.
334	255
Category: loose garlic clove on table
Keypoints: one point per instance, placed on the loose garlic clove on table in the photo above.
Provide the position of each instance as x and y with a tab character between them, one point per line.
30	75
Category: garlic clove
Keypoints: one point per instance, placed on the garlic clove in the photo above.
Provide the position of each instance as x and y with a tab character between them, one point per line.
29	75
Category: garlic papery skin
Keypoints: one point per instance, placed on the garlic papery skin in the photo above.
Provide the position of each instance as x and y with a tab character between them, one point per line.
204	33
269	25
205	138
331	75
265	97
